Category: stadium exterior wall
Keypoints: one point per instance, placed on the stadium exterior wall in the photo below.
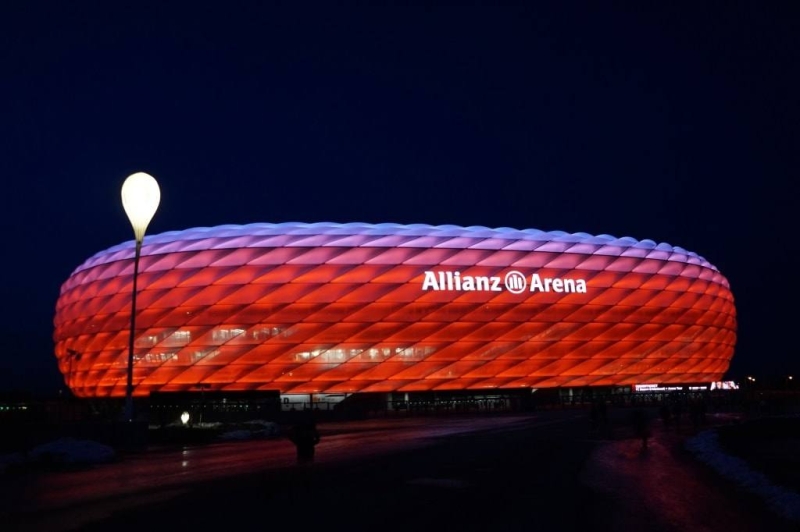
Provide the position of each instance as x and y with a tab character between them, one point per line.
346	308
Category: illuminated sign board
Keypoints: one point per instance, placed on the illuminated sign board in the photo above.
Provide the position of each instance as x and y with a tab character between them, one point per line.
668	388
724	385
513	281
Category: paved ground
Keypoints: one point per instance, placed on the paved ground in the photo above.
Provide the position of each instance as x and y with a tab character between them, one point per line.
663	488
544	471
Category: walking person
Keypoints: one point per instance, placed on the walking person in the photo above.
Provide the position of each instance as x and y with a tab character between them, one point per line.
641	427
305	437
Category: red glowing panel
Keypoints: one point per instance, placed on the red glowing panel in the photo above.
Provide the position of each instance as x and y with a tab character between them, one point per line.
332	308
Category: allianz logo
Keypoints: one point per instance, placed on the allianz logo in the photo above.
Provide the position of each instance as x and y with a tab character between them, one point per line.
513	281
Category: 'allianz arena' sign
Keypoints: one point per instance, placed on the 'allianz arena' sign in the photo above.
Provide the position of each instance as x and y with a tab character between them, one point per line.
513	281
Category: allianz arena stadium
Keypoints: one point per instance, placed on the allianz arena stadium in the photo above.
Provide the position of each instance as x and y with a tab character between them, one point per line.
325	308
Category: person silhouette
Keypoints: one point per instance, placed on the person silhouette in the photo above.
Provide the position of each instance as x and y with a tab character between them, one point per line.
305	437
640	426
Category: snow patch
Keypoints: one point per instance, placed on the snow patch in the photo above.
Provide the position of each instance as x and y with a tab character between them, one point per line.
252	430
10	461
70	451
705	446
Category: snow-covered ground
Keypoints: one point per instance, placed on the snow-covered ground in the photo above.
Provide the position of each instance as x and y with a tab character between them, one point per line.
64	451
12	460
72	452
251	430
706	448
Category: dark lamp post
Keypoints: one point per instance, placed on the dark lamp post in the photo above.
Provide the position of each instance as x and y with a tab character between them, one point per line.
140	198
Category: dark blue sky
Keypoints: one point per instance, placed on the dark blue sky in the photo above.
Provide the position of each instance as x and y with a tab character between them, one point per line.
673	123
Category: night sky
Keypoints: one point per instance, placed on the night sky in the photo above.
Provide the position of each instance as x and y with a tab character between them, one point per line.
672	123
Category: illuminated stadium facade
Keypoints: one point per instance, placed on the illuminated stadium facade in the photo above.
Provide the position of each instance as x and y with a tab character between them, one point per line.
328	308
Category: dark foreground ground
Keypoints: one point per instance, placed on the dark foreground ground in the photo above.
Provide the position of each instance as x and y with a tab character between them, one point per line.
544	471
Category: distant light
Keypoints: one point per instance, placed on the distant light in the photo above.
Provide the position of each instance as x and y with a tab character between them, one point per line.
185	418
140	199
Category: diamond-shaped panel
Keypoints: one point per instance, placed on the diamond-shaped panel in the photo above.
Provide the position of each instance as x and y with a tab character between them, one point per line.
326	307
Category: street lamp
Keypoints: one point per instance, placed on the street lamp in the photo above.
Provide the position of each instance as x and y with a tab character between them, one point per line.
140	198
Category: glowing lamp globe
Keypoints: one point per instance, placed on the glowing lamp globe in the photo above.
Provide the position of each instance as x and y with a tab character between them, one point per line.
140	198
